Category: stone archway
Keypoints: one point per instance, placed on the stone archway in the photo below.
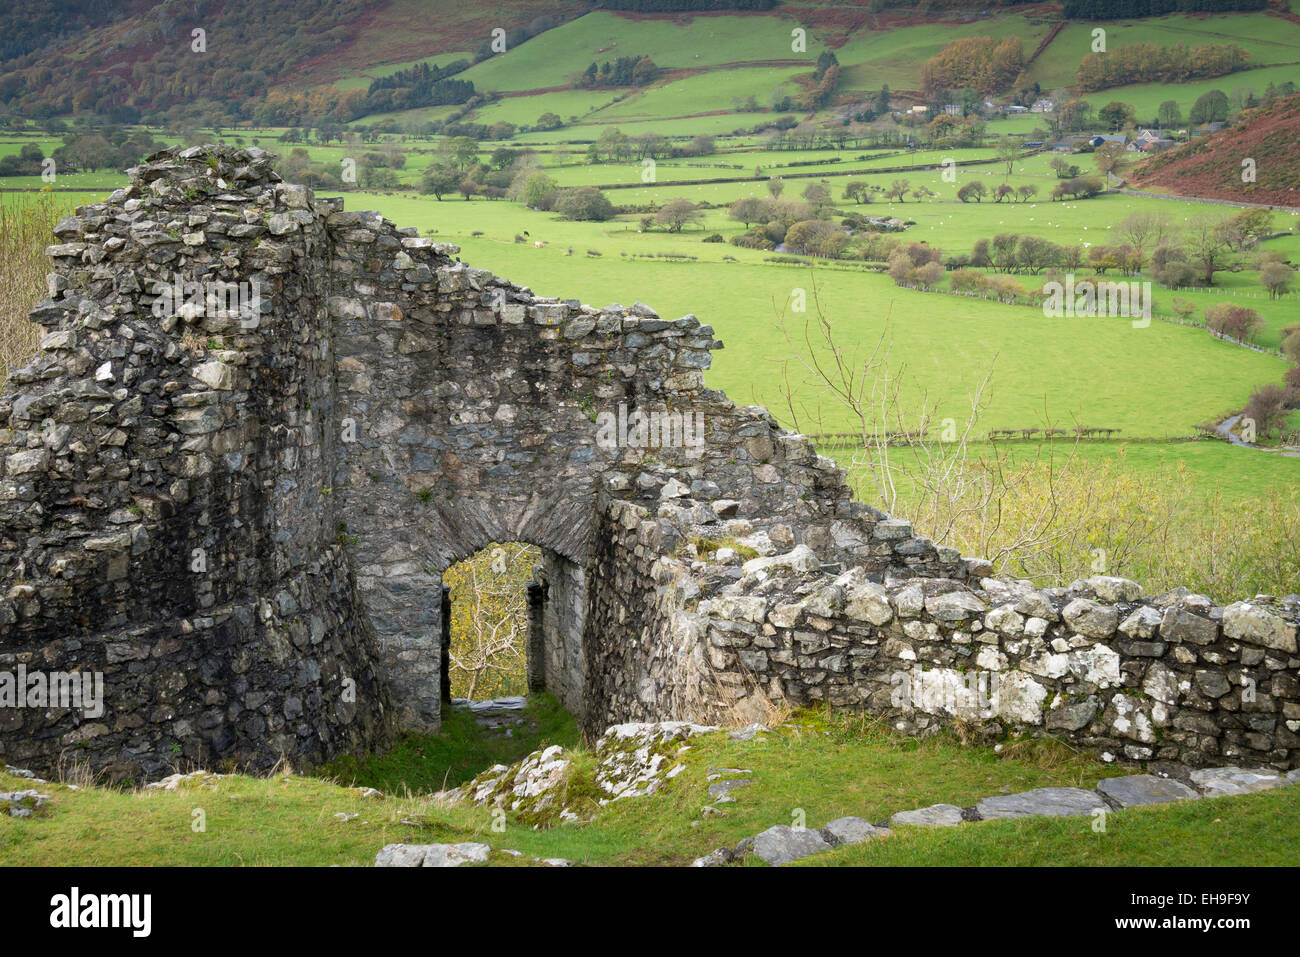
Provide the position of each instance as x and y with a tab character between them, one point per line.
468	413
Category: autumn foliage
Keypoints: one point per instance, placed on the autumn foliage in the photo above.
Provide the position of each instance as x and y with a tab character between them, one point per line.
1150	63
980	63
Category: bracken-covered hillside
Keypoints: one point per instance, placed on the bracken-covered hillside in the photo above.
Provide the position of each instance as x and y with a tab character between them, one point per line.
1212	165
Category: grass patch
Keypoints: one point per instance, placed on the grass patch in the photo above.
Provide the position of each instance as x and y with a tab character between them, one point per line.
1256	830
424	763
820	764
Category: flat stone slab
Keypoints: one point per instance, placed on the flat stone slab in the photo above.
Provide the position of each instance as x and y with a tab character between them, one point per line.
852	830
1222	782
432	855
720	791
1047	802
936	815
492	704
782	844
1137	789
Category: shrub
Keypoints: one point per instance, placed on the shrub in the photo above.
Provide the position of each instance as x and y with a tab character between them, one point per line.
715	238
901	268
584	203
775	231
816	237
920	254
968	281
1276	278
929	275
1268	407
1175	275
754	239
533	188
1005	289
1291	346
1233	322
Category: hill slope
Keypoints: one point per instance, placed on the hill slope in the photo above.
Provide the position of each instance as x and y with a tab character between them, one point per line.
1211	166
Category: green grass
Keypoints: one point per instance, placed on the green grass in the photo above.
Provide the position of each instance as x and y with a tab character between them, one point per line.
1231	831
425	763
820	766
557	56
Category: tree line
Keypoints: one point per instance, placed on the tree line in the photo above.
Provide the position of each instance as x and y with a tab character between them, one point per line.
1150	63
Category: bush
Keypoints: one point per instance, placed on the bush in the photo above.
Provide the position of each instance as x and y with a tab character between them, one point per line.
533	188
1005	289
775	231
1291	346
1268	407
816	237
968	281
1233	322
715	238
584	203
1175	275
1276	278
754	239
929	275
901	268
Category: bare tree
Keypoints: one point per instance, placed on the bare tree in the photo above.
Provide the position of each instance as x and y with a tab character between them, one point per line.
489	625
1025	514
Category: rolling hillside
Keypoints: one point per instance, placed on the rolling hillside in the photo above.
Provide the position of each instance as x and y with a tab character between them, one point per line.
1212	166
141	62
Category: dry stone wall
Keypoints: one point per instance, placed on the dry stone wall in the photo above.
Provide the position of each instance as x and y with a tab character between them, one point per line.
239	516
1174	678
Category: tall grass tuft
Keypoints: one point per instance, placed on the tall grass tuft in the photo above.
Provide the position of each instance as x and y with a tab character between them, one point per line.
26	228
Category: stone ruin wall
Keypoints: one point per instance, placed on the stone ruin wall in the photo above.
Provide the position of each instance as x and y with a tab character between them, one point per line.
1171	679
160	506
392	412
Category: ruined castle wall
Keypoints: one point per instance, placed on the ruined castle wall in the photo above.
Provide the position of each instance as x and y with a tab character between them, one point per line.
637	587
164	510
470	410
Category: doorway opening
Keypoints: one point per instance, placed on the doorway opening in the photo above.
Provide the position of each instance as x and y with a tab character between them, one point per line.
488	601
